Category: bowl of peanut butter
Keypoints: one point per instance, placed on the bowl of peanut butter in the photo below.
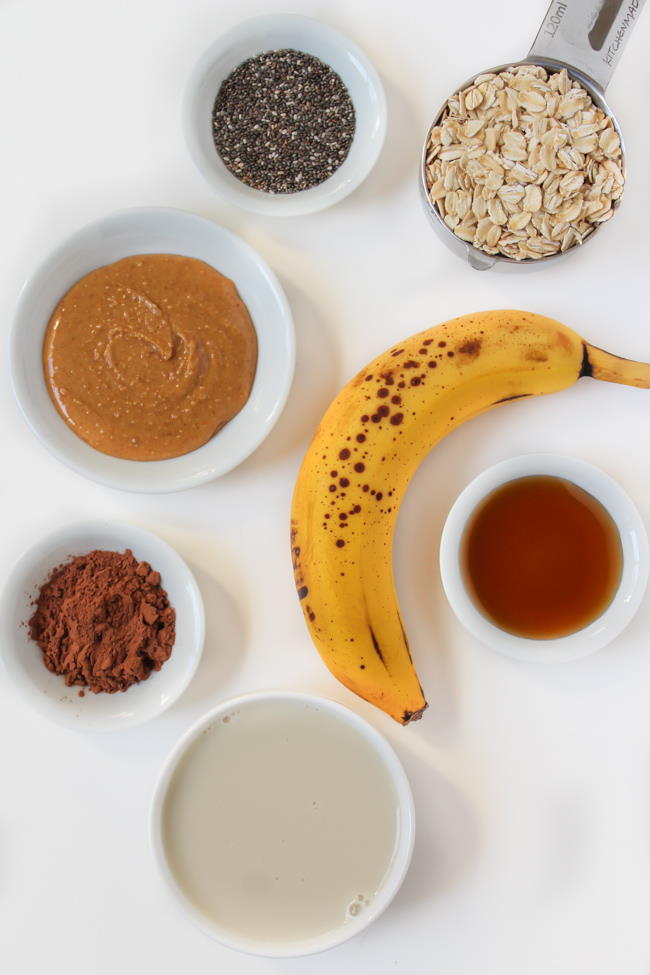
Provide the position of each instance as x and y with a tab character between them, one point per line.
153	350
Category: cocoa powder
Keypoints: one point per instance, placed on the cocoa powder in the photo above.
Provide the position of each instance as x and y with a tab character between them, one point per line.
103	621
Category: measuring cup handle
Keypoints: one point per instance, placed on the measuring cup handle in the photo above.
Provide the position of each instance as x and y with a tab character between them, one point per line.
586	34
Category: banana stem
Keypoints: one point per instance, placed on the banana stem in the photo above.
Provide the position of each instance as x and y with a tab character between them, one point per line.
613	369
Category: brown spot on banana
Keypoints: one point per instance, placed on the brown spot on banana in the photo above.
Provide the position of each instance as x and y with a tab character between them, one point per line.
295	558
507	399
471	347
376	645
564	341
536	355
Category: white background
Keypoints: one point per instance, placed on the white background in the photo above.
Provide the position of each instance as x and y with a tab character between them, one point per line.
532	784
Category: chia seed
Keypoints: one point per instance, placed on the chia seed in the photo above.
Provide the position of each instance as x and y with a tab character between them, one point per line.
283	121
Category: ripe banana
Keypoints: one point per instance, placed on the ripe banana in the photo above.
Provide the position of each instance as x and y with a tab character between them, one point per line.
365	451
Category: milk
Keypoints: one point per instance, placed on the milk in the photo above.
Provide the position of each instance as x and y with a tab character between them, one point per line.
280	822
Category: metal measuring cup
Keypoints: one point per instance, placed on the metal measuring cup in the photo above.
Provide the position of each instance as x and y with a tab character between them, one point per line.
587	38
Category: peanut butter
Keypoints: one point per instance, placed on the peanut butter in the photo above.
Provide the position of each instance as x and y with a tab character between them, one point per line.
148	358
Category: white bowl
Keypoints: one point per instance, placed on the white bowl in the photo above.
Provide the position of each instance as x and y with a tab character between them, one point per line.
151	231
402	851
274	33
634	576
23	659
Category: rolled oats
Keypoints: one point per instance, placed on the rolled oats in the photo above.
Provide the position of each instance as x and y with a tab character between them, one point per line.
523	163
532	199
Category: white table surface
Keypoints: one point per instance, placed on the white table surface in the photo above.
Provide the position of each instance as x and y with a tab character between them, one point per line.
532	783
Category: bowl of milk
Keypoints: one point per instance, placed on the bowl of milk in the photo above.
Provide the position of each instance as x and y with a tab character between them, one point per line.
283	824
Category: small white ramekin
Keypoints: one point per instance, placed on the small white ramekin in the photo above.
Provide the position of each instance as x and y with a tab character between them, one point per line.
396	871
634	576
47	692
276	32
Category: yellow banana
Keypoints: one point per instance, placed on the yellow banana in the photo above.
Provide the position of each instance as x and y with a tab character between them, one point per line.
365	451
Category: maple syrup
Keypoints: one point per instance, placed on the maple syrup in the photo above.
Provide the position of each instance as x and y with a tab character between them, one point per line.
541	557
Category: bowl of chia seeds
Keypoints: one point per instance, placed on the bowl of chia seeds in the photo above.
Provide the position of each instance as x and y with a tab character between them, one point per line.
284	116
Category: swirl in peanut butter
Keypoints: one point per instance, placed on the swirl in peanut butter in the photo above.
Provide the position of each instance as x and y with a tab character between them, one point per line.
148	358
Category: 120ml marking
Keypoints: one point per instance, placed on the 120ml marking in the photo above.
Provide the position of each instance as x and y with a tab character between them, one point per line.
554	21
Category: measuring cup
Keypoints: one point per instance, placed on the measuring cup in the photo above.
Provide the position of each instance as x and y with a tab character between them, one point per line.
587	38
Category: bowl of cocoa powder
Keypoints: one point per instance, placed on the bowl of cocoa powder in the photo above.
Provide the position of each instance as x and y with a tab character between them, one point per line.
101	626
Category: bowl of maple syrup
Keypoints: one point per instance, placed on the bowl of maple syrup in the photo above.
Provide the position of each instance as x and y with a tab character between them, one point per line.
544	558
